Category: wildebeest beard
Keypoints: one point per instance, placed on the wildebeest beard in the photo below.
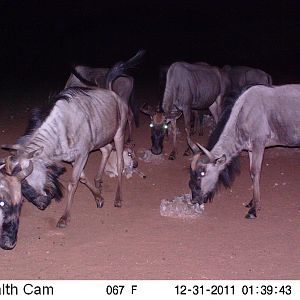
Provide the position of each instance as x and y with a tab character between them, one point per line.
53	188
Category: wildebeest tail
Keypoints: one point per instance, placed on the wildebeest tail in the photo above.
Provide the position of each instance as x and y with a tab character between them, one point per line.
123	68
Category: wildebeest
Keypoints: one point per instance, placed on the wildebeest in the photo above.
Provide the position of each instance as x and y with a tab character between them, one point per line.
121	82
262	117
86	76
130	163
81	120
197	116
243	76
188	87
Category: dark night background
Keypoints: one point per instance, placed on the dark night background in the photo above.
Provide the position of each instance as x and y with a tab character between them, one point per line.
39	40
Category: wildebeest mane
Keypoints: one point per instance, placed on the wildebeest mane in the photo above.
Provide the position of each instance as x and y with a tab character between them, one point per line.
53	187
39	114
227	176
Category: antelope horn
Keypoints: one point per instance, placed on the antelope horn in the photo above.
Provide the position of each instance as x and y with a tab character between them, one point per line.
206	152
25	172
11	147
193	146
2	161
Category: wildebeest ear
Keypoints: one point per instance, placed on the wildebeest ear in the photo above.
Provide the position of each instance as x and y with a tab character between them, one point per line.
147	109
221	160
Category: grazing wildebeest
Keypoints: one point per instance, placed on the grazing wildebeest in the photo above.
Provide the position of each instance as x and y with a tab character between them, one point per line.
188	86
261	117
10	205
243	76
81	120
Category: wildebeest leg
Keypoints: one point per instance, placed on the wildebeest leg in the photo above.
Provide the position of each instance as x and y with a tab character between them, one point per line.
255	169
249	205
201	122
187	126
194	122
197	119
106	150
215	110
119	143
77	170
95	191
172	155
129	122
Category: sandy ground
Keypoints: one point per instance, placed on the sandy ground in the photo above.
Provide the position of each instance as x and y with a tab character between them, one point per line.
136	242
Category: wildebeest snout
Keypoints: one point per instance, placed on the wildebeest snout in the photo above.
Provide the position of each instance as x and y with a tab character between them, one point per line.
9	235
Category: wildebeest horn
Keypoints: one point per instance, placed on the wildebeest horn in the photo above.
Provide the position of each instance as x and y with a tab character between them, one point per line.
11	147
25	172
206	152
147	109
193	146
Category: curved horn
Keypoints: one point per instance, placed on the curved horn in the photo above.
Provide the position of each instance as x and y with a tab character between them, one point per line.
25	172
193	146
206	152
10	164
11	147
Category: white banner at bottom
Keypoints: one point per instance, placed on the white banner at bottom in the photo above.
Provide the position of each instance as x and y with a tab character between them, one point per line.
146	289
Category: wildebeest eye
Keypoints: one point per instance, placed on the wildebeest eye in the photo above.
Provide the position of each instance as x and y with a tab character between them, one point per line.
2	202
165	126
129	154
202	173
151	125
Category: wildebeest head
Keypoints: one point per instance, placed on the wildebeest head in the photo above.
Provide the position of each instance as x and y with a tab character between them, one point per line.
11	175
204	175
42	185
129	157
159	126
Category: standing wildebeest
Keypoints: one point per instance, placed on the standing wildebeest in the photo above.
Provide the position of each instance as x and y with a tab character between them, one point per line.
261	117
197	116
242	76
188	86
81	120
121	83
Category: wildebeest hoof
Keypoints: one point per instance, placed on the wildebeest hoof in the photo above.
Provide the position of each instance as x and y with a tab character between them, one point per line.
99	203
62	223
250	216
118	204
172	156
